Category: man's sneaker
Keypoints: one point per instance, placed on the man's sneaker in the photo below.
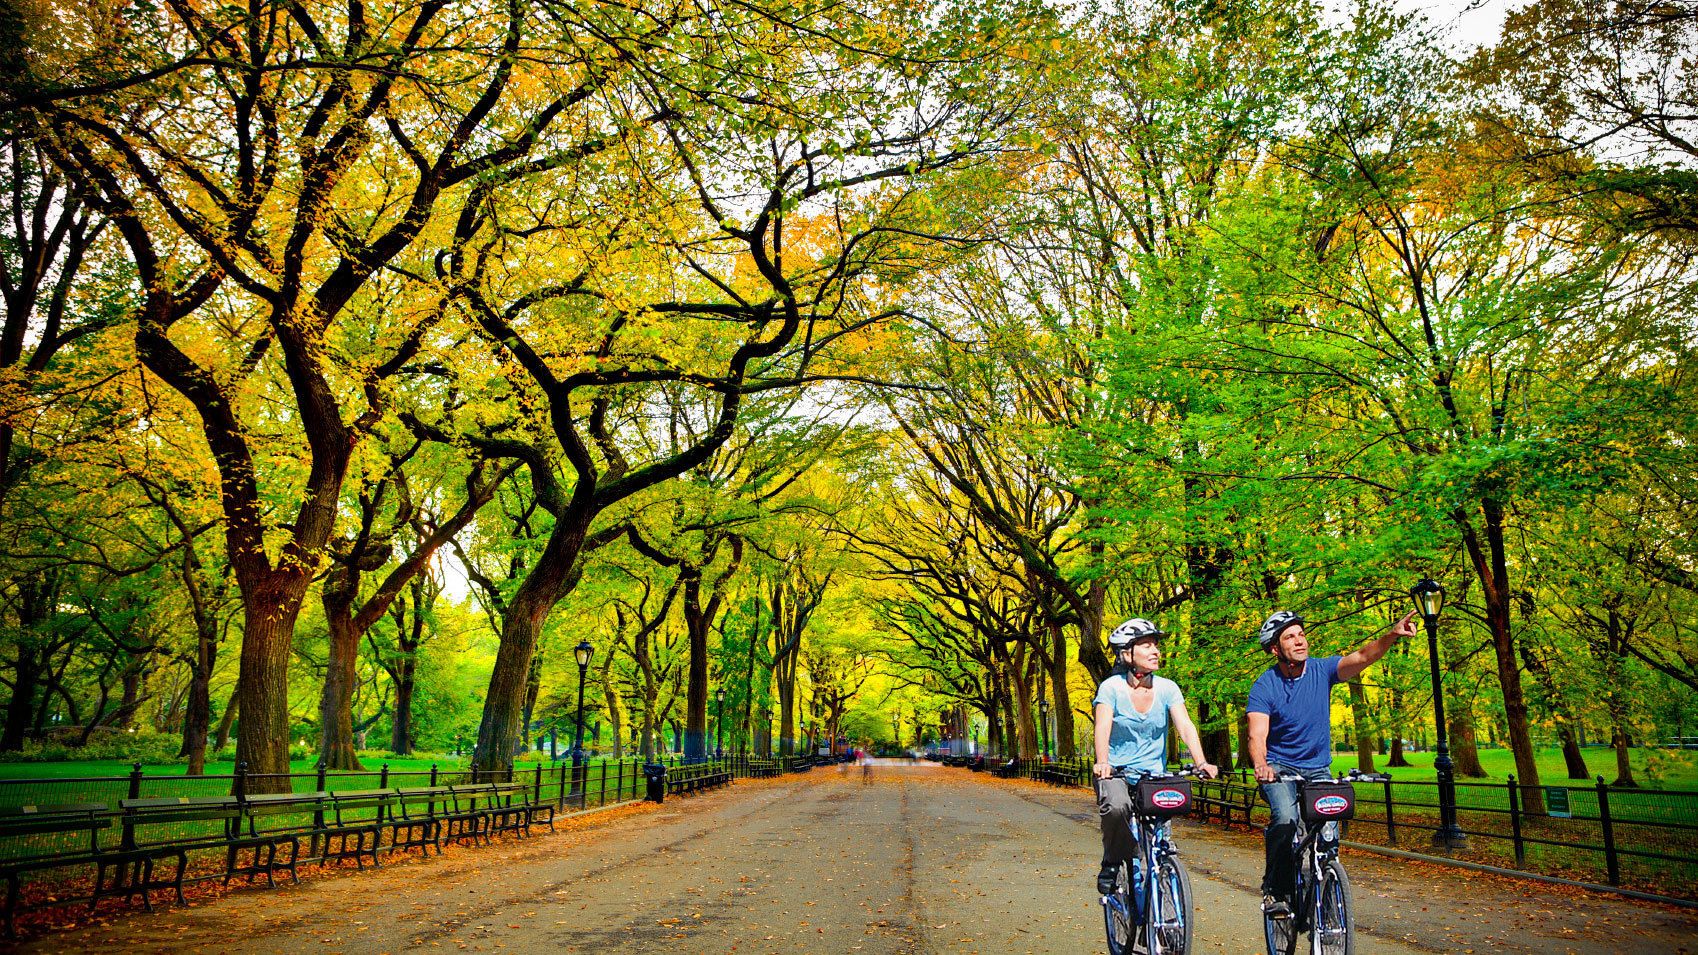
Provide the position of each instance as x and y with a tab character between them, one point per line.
1275	907
1106	879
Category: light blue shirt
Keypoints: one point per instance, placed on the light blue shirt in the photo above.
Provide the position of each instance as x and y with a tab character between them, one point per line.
1138	741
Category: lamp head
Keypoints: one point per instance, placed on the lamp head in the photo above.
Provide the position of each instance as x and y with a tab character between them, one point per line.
582	653
719	694
1429	598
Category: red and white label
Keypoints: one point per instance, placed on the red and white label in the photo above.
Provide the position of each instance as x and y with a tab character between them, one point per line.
1168	798
1331	805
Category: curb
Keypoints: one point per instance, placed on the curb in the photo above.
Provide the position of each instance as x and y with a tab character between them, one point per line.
1518	874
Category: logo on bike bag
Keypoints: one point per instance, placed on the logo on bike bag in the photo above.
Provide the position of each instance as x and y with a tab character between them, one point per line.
1331	805
1168	799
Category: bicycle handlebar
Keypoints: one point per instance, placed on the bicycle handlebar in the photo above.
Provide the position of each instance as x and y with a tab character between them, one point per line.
1188	769
1354	776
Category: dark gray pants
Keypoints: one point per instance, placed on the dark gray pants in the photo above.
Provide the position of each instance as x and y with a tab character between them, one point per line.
1114	803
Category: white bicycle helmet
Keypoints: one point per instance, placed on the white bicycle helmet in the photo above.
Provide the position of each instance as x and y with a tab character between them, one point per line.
1135	629
1277	623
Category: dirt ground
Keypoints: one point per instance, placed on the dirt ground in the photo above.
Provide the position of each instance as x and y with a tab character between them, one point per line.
923	859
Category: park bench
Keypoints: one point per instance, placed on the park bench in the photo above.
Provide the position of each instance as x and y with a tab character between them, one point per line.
1008	770
690	779
528	798
510	808
268	824
469	814
413	820
1058	775
159	829
355	827
1223	799
38	838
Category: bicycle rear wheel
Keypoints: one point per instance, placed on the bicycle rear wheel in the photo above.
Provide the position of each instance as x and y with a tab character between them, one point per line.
1335	927
1118	917
1172	933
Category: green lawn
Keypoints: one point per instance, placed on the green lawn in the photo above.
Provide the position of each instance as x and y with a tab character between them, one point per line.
1668	769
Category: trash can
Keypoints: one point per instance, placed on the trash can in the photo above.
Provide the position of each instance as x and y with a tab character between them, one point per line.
655	775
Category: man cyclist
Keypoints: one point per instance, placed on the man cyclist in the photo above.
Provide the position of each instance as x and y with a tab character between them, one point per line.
1132	710
1291	732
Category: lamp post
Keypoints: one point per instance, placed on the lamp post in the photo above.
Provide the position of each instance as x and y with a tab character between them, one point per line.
718	722
1429	599
581	653
1043	720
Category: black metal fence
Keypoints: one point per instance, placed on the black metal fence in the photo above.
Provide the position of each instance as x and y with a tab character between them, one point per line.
595	784
1623	836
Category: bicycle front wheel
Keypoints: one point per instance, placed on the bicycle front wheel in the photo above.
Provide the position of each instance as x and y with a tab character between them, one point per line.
1335	928
1117	915
1171	933
1281	934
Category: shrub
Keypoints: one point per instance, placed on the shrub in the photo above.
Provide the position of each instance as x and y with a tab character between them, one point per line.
153	749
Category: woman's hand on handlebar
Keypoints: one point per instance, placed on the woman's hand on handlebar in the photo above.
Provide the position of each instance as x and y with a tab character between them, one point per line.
1102	770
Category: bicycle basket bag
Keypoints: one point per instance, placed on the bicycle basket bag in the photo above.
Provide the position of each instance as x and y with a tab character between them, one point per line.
1326	802
1162	797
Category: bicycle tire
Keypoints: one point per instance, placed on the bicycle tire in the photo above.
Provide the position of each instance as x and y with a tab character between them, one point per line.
1281	934
1119	922
1173	884
1335	926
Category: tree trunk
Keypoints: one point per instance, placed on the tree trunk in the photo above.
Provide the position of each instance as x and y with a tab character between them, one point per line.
262	738
1623	768
1491	569
228	720
1061	706
547	582
1363	730
26	680
1216	736
1573	760
401	730
1244	761
335	707
1464	748
696	625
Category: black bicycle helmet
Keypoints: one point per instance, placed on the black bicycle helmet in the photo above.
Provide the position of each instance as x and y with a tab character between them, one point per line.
1135	629
1277	623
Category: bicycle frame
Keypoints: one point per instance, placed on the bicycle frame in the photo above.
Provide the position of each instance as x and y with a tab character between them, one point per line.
1316	849
1143	899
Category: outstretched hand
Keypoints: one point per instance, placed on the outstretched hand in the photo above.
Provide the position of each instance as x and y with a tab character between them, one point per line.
1405	627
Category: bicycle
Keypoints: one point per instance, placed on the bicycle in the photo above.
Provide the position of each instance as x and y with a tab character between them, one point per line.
1149	911
1320	903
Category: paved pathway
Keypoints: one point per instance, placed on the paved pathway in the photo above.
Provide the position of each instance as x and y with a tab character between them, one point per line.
922	860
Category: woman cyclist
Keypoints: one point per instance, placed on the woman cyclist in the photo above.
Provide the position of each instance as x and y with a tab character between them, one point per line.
1133	709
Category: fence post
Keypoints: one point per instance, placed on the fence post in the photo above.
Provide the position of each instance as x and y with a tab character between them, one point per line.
383	776
1515	821
1610	859
474	774
318	813
129	836
1391	816
241	780
433	775
562	801
536	792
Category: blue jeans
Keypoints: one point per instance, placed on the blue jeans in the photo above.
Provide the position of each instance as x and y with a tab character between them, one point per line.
1279	875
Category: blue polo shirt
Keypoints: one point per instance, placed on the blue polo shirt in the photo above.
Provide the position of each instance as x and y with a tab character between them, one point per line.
1299	713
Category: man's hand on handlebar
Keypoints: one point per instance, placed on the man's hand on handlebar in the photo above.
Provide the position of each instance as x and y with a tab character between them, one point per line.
1265	774
1102	770
1208	770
